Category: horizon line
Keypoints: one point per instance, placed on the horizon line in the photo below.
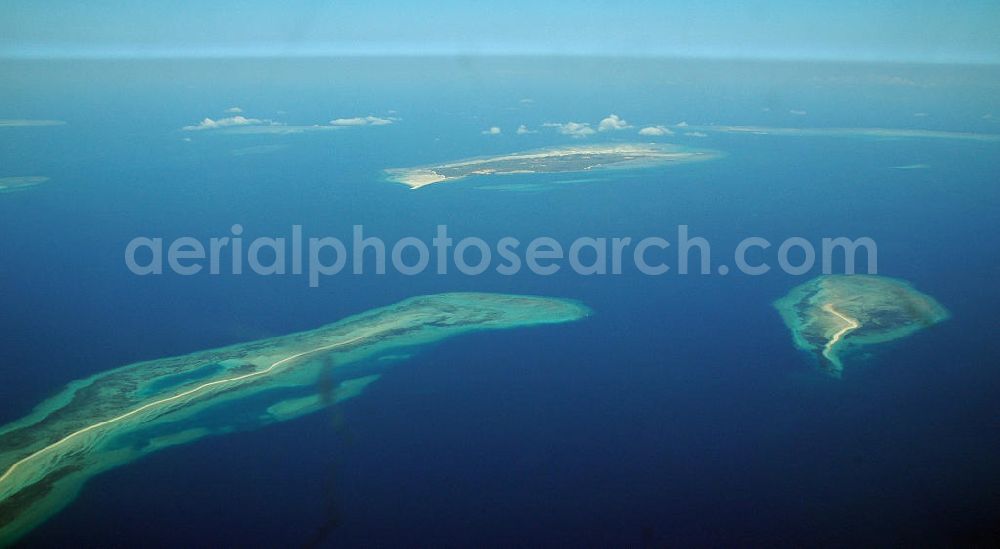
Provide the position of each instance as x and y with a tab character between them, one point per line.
40	53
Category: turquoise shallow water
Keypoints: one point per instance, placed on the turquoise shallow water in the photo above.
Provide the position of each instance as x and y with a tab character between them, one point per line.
180	379
679	411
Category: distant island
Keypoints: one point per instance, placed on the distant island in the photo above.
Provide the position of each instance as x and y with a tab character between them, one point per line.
14	184
577	158
28	123
883	133
834	313
117	416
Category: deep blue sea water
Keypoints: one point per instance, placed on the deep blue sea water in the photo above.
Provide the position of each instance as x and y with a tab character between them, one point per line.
679	412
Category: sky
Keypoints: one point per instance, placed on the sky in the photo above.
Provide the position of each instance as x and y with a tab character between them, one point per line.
869	30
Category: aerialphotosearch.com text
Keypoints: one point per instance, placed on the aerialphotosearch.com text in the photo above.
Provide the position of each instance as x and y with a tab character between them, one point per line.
318	257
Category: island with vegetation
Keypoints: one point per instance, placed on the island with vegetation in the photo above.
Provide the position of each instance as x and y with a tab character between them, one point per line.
117	416
833	314
577	158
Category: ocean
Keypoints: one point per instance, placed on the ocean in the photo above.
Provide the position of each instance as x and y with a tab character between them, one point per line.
679	411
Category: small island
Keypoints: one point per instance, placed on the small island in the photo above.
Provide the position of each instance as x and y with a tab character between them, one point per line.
578	158
832	314
118	416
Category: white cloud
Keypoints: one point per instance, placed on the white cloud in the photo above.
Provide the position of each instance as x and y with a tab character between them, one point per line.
572	129
356	121
492	131
682	124
280	129
656	130
523	130
696	134
362	121
210	124
612	122
798	112
243	125
234	110
527	101
920	114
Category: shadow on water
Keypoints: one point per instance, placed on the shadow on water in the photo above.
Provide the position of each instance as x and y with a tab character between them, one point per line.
326	386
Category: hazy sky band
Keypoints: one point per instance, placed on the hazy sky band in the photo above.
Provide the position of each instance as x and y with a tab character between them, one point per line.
916	30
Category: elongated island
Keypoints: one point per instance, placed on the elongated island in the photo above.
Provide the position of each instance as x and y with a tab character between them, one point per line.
876	133
577	158
117	416
14	184
832	314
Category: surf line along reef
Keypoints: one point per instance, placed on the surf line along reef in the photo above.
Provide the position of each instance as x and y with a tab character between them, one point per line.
117	416
834	314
